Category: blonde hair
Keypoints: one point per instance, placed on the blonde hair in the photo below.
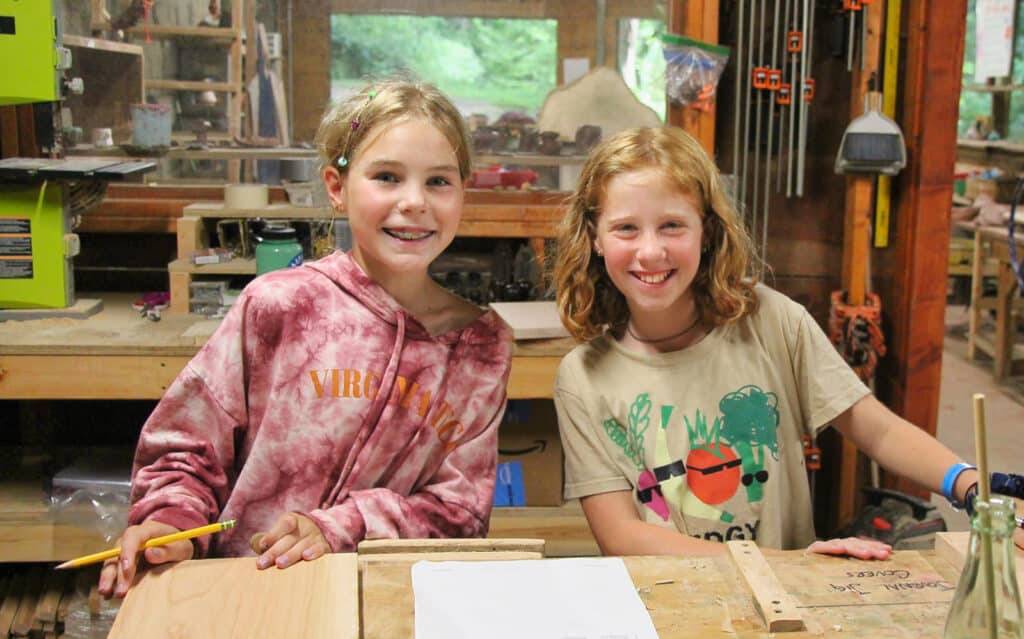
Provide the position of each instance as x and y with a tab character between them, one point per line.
723	288
348	125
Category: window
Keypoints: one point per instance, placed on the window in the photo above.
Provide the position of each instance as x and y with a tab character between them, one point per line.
641	61
486	65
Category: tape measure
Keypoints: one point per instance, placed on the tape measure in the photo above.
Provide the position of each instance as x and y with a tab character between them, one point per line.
883	194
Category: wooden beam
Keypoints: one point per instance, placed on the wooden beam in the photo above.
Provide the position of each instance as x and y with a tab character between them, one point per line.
311	28
915	287
857	244
697	19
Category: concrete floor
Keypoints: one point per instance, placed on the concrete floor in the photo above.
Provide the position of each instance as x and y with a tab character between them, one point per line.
1004	411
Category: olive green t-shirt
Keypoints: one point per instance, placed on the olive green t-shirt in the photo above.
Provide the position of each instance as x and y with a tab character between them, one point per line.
708	439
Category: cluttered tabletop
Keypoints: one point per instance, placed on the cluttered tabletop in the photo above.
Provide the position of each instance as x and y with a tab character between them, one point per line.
746	592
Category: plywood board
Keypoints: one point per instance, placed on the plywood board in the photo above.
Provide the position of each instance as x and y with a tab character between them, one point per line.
952	546
393	546
231	598
531	320
601	98
81	309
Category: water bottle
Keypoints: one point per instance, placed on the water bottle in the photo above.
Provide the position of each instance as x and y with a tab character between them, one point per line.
969	615
277	248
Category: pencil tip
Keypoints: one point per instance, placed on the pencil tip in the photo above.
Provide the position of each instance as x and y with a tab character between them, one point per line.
66	564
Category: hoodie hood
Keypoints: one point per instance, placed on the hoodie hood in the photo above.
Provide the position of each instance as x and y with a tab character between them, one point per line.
342	269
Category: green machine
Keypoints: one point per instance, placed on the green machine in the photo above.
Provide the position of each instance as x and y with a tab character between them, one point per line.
36	221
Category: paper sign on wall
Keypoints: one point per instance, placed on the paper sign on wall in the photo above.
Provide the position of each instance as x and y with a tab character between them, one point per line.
994	41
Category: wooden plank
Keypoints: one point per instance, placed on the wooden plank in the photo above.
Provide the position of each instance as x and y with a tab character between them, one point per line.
778	609
231	598
147	377
192	85
312	41
8	132
531	320
406	557
87	377
28	146
169	31
11	601
396	546
22	623
953	546
82	308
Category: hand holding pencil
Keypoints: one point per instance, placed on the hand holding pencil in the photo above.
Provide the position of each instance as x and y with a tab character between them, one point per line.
160	544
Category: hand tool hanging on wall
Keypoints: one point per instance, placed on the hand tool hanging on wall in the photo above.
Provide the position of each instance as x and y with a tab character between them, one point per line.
883	199
746	112
774	83
737	144
759	82
784	95
806	94
795	47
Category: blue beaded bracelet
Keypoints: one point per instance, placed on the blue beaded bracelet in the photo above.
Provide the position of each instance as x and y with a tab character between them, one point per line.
950	480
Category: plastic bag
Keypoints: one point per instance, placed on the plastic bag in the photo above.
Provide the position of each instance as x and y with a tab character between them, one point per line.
102	511
692	70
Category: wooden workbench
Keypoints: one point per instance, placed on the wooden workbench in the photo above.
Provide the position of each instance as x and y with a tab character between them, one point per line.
116	354
699	597
907	596
992	241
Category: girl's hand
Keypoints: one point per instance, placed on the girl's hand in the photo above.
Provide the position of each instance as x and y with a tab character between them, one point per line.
291	538
117	573
852	547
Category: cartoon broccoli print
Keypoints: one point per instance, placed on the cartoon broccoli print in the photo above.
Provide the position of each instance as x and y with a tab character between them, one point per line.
750	418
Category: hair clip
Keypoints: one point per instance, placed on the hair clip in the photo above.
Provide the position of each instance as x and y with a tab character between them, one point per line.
372	95
355	124
342	161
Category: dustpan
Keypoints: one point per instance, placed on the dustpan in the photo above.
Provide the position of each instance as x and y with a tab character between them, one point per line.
872	143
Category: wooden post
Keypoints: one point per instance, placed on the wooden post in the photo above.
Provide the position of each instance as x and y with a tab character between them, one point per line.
914	293
697	19
857	238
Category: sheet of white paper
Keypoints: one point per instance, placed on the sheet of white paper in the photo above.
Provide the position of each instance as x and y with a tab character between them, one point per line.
541	599
574	68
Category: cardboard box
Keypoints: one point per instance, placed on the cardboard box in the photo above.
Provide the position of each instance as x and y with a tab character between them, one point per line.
529	435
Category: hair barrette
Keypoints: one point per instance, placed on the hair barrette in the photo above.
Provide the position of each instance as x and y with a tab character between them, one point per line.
342	161
355	124
372	95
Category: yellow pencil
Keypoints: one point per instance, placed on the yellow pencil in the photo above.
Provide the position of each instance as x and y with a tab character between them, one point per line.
155	541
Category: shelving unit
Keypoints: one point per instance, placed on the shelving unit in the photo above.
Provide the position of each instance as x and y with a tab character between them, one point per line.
569	166
113	75
231	37
194	236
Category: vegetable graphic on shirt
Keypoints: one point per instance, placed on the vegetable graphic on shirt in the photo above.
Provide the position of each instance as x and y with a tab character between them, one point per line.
631	441
712	471
750	418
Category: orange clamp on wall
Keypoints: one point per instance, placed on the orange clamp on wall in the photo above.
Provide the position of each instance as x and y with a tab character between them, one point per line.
812	454
851	5
794	41
808	89
759	76
774	79
784	94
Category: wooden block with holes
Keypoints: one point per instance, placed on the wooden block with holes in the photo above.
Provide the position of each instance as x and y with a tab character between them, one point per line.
776	606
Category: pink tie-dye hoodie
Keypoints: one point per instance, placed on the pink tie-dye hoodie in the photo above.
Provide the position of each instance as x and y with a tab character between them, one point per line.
320	394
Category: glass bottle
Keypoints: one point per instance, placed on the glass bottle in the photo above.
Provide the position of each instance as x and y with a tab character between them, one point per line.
968	617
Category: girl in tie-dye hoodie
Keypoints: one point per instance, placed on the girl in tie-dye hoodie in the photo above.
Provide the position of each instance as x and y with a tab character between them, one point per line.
351	398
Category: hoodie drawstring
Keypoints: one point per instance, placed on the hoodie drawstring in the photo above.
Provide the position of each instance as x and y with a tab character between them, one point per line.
387	386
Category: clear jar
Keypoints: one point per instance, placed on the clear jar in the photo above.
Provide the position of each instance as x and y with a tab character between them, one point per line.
969	617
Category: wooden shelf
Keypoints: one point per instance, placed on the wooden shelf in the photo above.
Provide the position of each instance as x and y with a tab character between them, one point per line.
225	34
213	153
99	44
529	159
194	85
237	266
271	211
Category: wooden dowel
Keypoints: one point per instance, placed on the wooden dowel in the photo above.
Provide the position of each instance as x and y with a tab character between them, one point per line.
984	515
